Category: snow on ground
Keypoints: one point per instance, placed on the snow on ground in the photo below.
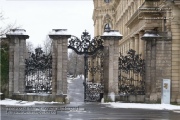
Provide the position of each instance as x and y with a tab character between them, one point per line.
69	80
143	106
23	103
80	76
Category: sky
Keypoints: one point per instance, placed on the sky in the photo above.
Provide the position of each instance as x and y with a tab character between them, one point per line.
39	17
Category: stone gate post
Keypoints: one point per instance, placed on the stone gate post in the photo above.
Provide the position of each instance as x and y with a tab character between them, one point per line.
158	63
59	61
17	52
111	51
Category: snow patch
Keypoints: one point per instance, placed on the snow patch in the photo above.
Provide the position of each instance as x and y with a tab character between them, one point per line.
69	81
102	100
59	32
143	106
112	96
23	103
112	33
17	32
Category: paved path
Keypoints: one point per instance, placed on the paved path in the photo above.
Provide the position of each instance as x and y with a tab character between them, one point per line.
92	111
75	90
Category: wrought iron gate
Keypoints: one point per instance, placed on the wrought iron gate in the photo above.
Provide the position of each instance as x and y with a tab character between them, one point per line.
38	72
95	85
131	74
91	49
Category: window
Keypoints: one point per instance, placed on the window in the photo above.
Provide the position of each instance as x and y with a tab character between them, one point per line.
107	1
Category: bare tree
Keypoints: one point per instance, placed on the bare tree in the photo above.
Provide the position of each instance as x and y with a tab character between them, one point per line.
4	30
29	47
75	64
47	44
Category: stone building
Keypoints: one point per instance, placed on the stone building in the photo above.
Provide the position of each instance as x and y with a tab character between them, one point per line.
134	18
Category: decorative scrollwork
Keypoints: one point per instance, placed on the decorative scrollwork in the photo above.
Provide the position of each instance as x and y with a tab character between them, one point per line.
131	74
93	91
85	45
95	85
38	72
95	65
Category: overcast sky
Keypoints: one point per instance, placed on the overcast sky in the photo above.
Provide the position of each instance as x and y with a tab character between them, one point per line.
39	17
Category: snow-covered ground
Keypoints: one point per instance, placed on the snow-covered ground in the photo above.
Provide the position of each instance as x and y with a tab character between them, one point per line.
10	102
143	106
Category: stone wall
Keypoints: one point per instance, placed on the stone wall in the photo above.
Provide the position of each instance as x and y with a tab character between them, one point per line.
175	30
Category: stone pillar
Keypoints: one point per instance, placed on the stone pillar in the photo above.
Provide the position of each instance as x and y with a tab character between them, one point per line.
150	71
136	42
158	65
59	61
132	43
141	44
17	52
111	51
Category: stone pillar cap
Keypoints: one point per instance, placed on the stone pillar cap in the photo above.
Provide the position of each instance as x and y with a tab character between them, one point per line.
17	32
59	32
150	35
3	37
112	33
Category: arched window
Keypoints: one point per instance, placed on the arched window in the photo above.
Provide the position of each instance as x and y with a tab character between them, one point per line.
107	1
107	27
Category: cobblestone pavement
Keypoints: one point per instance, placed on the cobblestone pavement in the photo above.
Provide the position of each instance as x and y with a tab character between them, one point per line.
86	111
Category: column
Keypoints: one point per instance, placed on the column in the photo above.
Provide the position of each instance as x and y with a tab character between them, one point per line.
141	44
17	52
111	50
59	59
136	43
132	43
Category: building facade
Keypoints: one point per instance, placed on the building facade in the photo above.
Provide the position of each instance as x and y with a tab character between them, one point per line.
134	18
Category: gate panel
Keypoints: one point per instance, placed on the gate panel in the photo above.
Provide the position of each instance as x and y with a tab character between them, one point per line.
94	86
131	74
38	72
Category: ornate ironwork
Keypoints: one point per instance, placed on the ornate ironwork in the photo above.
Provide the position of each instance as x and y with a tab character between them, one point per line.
38	72
95	84
87	47
94	92
131	74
